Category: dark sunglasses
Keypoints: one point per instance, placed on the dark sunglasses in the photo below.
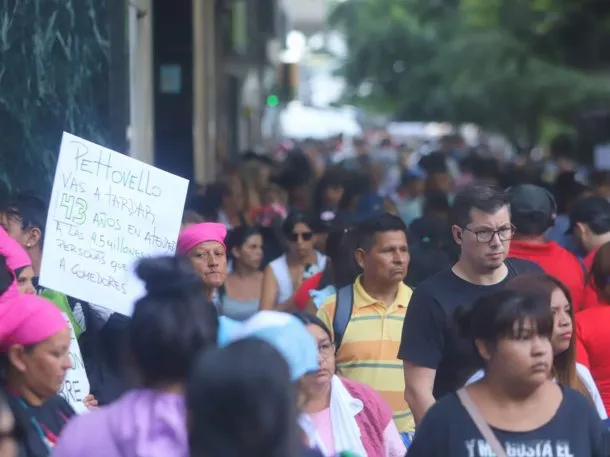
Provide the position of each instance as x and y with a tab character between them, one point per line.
306	236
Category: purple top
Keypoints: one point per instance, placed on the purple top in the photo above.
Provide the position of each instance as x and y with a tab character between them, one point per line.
142	423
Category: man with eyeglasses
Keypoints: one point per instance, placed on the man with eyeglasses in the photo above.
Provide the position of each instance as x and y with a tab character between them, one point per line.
436	359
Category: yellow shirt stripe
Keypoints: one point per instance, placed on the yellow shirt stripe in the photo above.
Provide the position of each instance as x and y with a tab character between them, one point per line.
368	353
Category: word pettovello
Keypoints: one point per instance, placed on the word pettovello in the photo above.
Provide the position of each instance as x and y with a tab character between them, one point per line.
100	165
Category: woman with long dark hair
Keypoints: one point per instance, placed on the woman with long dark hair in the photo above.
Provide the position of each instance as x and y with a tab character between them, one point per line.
240	295
284	275
341	269
593	324
516	408
566	371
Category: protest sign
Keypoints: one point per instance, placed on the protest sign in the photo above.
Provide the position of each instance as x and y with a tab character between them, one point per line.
107	210
76	384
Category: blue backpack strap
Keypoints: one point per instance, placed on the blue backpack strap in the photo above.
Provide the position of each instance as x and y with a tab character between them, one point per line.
343	312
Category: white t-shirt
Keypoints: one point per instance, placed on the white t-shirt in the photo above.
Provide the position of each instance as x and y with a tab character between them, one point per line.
585	376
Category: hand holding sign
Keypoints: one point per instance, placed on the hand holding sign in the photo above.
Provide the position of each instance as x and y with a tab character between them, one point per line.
75	388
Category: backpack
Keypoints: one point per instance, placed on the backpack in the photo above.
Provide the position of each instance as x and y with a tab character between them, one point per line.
343	312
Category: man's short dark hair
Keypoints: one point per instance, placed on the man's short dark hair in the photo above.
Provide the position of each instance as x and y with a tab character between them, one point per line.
488	199
369	228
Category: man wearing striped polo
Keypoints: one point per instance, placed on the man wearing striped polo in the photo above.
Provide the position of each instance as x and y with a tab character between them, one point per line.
366	317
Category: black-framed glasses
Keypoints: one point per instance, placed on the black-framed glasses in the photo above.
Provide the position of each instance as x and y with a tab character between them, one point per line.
486	235
306	236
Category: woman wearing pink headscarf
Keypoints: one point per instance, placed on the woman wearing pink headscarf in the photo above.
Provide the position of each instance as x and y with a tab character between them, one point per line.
204	245
18	261
34	344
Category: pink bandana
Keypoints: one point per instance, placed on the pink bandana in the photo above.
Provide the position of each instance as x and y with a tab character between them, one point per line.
200	233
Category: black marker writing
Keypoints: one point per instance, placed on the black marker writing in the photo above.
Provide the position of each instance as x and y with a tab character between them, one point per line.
102	220
90	254
131	207
100	165
97	278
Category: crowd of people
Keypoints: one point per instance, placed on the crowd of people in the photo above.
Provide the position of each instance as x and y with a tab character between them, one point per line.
381	305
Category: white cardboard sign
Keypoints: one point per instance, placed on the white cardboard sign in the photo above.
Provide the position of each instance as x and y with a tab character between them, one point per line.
76	384
107	210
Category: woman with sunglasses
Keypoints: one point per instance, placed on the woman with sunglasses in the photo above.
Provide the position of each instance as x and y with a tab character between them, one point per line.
284	275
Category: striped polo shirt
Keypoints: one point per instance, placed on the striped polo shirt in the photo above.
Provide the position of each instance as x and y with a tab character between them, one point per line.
368	352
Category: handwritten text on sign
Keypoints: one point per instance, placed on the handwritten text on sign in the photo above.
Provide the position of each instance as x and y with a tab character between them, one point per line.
76	385
107	210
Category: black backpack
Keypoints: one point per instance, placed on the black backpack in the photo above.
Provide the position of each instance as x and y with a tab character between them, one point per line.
343	312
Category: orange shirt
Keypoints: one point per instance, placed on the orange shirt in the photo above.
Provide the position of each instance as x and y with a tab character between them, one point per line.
593	349
555	261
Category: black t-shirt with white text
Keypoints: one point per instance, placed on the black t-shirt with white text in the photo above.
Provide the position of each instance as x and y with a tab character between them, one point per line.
574	431
429	337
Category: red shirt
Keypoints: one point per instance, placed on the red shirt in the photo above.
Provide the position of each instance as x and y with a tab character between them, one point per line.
555	261
590	296
301	297
594	348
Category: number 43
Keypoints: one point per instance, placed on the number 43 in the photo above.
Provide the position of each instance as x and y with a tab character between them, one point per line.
76	208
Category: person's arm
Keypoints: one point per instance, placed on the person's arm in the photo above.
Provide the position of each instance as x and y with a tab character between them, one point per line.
431	437
301	296
419	384
268	290
421	350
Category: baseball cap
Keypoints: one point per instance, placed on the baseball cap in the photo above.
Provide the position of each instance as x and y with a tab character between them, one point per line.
531	199
593	211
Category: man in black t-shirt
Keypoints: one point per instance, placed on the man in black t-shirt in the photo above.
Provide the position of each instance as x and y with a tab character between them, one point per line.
436	359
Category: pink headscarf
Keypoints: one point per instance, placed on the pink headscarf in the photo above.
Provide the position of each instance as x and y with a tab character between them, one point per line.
200	233
15	255
28	319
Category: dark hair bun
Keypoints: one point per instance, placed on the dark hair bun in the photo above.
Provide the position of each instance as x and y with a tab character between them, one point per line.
168	276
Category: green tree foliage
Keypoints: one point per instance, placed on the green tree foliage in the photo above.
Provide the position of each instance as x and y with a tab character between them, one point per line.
507	65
